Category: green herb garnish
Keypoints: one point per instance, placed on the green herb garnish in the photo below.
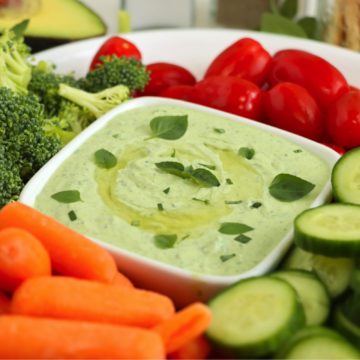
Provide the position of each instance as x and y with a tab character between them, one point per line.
206	202
166	191
165	241
211	167
202	177
19	29
246	152
105	159
135	223
233	202
242	238
160	207
172	167
173	153
287	187
219	130
72	215
224	258
169	127
185	236
229	181
67	196
297	151
232	228
256	205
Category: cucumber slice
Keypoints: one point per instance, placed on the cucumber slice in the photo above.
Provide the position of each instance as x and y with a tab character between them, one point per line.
254	316
348	328
331	230
345	177
312	293
335	273
318	343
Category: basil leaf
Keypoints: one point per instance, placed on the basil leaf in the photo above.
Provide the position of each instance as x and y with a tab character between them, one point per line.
172	167
169	127
289	8
311	27
232	228
105	159
20	28
67	197
204	178
164	241
72	215
280	25
224	258
247	153
242	238
287	187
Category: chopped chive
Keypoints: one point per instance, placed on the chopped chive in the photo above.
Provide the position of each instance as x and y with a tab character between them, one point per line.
185	236
72	215
256	205
224	258
242	238
166	191
229	181
234	202
206	202
219	130
135	223
160	207
297	151
211	167
173	153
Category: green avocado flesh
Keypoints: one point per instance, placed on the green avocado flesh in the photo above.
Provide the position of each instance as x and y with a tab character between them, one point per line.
55	19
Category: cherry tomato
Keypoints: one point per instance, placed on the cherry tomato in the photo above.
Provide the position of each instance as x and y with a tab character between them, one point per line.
321	79
343	120
164	75
245	58
290	107
340	150
231	94
181	92
117	46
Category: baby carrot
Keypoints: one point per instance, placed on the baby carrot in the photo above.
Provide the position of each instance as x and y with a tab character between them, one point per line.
4	304
184	326
75	299
70	253
21	257
121	280
197	349
24	337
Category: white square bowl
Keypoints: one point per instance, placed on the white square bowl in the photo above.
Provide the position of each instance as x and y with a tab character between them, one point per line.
181	285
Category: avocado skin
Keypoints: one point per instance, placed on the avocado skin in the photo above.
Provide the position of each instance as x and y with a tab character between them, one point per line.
78	24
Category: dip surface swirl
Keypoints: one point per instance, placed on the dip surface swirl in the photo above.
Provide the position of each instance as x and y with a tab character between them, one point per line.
132	202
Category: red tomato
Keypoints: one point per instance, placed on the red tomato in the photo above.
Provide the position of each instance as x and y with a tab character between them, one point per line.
343	120
181	92
290	107
231	94
164	75
321	79
115	46
340	150
245	58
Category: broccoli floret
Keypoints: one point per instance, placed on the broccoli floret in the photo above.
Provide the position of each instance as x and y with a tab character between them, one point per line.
45	84
98	103
24	145
15	71
69	122
114	71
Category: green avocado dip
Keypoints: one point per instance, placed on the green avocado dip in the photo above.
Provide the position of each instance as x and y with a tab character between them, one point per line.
213	198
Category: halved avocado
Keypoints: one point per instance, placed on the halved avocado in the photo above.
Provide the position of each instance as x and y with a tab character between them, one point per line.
55	21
